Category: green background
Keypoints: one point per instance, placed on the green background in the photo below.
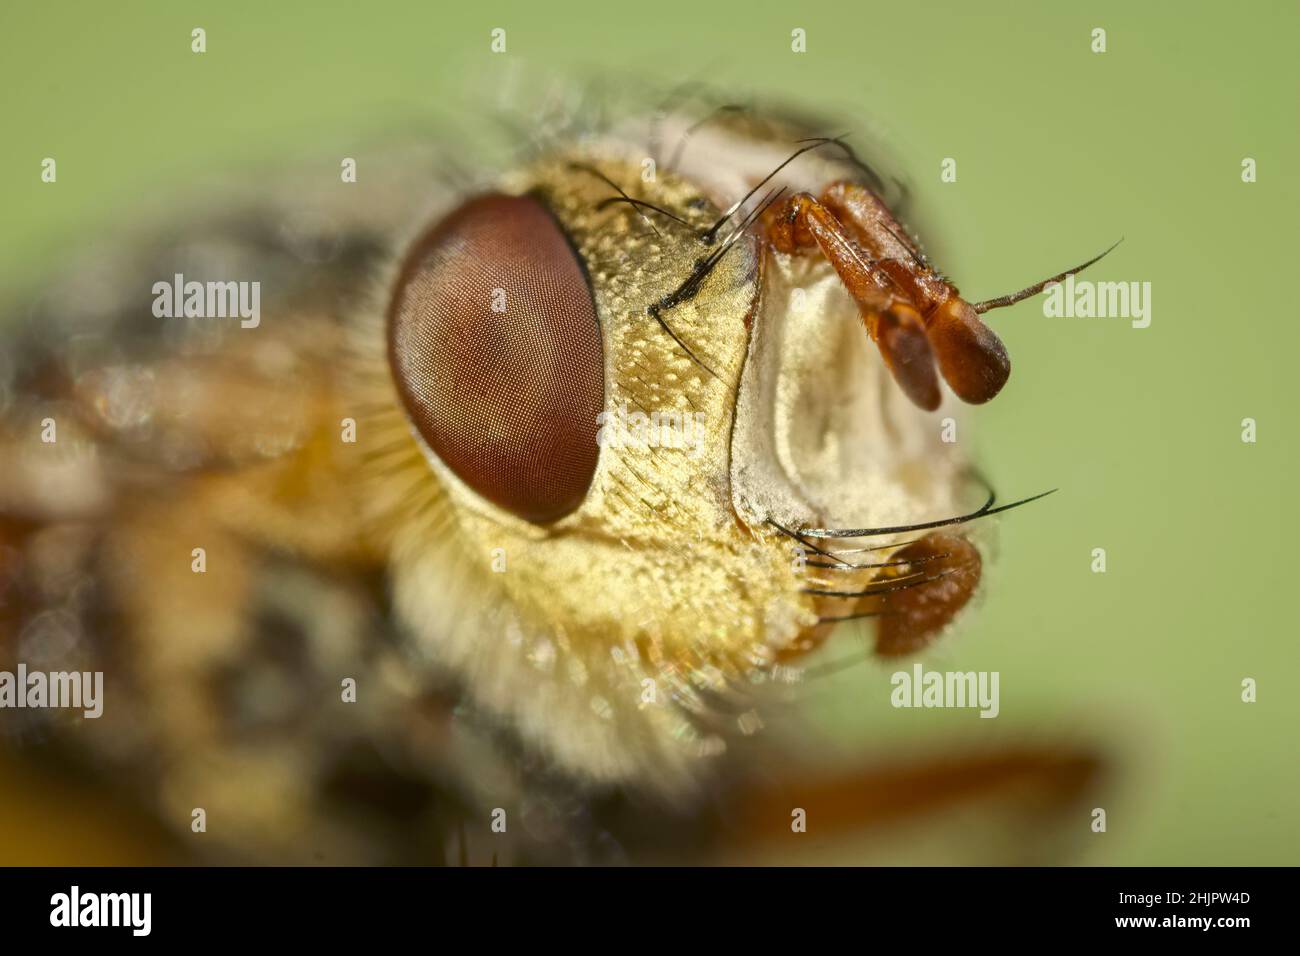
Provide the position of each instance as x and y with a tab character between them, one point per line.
1060	151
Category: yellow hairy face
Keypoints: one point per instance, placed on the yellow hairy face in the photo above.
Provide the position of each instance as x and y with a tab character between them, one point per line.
603	422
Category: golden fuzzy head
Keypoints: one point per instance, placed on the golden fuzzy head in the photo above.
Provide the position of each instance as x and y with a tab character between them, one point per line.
604	609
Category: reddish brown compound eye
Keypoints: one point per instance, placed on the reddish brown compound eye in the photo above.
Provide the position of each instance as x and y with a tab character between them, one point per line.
496	349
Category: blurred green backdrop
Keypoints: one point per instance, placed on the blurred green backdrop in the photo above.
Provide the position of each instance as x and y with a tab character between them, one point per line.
1060	151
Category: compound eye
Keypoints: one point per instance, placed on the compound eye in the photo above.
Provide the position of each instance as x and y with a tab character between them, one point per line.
496	350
